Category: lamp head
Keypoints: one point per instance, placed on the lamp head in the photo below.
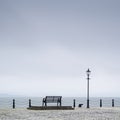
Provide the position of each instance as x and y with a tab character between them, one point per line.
88	72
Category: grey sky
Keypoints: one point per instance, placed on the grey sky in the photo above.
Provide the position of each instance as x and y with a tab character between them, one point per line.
49	44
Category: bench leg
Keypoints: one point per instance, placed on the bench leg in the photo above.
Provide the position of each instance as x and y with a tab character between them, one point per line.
45	103
60	103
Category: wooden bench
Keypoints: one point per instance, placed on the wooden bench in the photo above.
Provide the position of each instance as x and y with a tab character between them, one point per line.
52	99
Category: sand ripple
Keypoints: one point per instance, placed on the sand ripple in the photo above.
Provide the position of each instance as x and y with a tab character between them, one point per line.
77	114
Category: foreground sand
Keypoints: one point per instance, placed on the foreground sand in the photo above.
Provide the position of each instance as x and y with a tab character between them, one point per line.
77	114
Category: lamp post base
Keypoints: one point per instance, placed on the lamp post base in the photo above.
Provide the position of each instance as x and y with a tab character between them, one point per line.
88	104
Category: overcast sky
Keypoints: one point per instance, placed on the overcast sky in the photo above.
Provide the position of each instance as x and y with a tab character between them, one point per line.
46	46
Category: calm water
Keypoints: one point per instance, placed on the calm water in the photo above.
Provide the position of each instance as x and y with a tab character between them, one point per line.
22	102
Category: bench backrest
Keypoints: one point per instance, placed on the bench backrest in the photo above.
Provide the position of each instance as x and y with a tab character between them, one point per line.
53	98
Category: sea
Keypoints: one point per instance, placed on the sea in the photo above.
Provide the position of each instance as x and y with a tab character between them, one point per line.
23	102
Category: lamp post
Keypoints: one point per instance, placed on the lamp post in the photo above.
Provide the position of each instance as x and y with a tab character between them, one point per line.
88	74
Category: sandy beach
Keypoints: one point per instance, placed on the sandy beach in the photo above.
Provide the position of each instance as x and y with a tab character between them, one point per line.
77	114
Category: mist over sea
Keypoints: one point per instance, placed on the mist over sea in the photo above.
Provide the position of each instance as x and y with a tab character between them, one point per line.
23	102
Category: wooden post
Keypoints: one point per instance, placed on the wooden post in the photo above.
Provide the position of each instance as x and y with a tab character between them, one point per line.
13	103
74	103
100	102
29	102
112	102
